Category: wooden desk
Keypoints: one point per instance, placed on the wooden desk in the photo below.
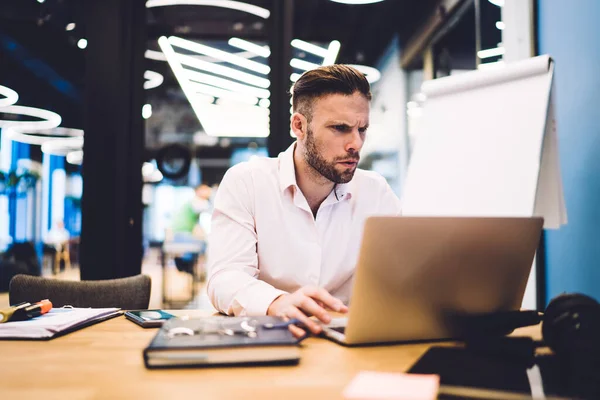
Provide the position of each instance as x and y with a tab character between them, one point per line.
104	361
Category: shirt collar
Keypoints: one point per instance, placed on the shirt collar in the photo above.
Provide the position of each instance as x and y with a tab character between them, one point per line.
287	172
287	175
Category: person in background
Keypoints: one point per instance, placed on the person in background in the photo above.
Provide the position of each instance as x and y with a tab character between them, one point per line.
186	227
286	231
58	236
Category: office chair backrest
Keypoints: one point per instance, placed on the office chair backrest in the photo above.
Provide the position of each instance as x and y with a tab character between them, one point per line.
127	293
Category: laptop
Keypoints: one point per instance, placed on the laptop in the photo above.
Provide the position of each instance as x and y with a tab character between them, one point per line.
418	277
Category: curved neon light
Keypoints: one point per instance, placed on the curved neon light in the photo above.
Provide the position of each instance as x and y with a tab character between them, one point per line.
75	157
373	74
63	146
231	4
153	79
49	119
357	1
42	136
10	96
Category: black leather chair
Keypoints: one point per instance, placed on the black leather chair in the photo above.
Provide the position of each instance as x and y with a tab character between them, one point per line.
127	293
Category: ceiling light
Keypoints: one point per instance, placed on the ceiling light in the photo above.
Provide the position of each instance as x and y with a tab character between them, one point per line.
357	1
204	98
332	52
63	146
146	111
222	93
49	119
70	26
262	51
10	96
155	55
147	169
499	3
82	43
500	25
294	77
224	71
150	173
180	75
250	121
153	79
329	54
234	5
40	1
41	137
216	53
303	65
493	52
264	103
227	84
75	157
309	47
372	74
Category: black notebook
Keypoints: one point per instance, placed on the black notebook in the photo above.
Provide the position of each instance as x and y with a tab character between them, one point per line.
459	367
221	341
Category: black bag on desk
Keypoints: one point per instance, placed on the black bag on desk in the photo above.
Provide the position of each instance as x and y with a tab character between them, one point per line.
571	328
221	341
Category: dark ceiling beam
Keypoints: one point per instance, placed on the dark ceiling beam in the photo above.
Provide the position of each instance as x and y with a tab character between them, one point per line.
424	36
280	32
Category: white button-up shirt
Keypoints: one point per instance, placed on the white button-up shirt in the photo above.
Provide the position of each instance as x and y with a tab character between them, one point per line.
265	241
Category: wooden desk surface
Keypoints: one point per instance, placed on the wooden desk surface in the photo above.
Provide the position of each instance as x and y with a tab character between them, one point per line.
104	361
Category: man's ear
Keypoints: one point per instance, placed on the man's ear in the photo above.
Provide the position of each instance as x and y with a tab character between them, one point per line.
299	125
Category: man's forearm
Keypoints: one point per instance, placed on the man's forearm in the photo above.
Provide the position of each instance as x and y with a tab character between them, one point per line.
235	292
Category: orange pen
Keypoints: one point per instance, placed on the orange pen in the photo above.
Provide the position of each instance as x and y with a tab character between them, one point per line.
39	308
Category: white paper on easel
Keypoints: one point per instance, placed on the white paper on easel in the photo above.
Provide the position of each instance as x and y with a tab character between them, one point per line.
550	201
480	148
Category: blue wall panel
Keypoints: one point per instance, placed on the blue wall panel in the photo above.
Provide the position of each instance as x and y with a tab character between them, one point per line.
570	31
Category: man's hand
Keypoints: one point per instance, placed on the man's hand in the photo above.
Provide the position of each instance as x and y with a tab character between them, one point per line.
303	303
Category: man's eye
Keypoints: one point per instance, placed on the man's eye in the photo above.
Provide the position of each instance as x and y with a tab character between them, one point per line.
362	130
341	128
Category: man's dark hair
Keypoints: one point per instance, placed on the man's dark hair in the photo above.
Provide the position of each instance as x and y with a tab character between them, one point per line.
330	79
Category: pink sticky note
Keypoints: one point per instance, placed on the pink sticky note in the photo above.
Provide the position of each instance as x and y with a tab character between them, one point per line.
397	386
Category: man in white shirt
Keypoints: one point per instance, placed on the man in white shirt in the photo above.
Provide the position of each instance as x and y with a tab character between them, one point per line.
286	231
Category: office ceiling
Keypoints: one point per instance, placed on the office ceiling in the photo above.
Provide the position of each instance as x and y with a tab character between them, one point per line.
41	60
48	67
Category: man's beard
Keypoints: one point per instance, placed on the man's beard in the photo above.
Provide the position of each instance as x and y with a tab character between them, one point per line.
325	168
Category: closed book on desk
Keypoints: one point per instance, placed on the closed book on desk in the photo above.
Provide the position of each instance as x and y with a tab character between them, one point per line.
221	341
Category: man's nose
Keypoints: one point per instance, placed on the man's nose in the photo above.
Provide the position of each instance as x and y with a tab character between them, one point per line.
356	141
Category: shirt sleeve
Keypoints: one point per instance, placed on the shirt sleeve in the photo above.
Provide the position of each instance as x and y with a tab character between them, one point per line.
233	285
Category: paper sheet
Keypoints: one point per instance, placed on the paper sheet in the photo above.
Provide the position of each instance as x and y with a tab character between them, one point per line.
386	385
55	321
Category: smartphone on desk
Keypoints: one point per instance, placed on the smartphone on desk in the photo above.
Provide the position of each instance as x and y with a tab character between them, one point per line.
148	318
